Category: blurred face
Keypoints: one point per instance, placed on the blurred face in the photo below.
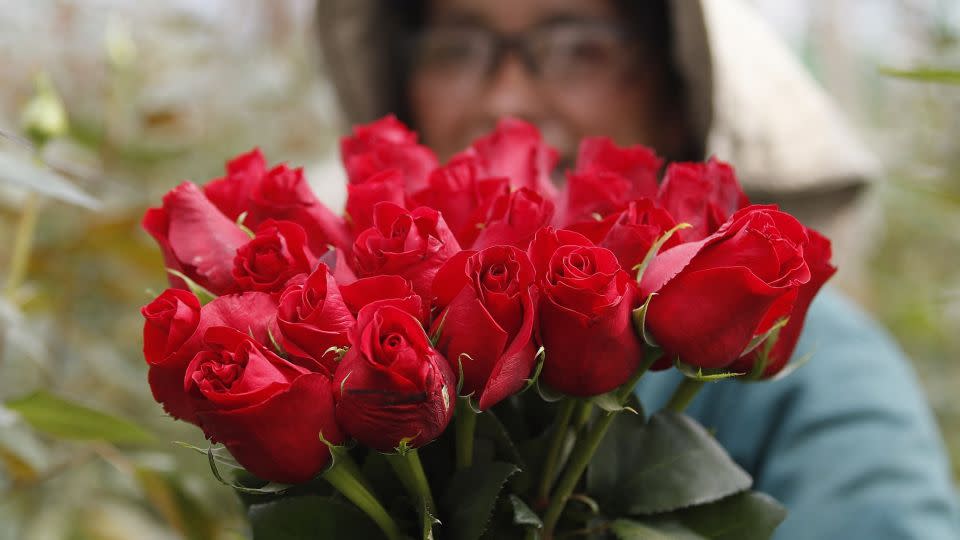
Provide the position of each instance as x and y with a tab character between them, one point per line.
568	66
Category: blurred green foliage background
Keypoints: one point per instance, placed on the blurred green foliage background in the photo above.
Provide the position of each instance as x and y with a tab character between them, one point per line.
159	93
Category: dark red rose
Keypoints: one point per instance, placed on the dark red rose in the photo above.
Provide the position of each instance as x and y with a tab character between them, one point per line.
268	412
701	194
313	318
817	253
361	292
231	193
385	186
585	310
607	178
516	150
283	194
488	301
461	197
172	331
630	233
392	385
514	218
277	253
195	238
713	296
386	144
411	244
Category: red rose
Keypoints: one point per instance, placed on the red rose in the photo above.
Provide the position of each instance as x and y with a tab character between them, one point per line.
411	244
486	326
817	253
392	385
461	197
277	253
607	178
231	193
514	218
701	194
313	318
195	238
268	412
584	315
361	292
516	150
385	186
386	144
715	295
173	327
630	233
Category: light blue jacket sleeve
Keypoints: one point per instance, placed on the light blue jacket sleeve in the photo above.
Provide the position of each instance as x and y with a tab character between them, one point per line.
847	442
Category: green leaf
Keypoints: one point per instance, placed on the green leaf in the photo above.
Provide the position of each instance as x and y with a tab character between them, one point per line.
270	488
523	515
652	252
470	498
610	402
929	75
64	419
746	516
626	529
490	427
203	294
40	179
220	454
669	463
308	518
768	336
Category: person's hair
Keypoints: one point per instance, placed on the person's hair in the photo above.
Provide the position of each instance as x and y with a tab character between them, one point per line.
649	20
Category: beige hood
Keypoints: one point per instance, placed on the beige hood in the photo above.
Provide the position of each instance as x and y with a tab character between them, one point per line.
751	102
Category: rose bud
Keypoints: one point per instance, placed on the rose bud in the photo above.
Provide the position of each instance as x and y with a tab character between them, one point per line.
586	301
195	238
817	253
392	386
462	197
386	186
361	292
701	194
174	324
269	413
488	301
516	150
630	233
514	218
607	178
277	253
411	244
713	296
386	144
313	318
280	193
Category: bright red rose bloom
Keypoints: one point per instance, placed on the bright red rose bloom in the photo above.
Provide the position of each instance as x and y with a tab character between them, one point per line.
385	186
486	326
516	150
713	296
313	318
392	386
514	218
817	253
411	244
584	315
630	233
195	238
386	144
172	334
701	194
277	253
358	294
268	412
231	193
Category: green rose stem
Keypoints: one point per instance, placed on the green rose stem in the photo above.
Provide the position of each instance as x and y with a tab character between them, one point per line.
466	421
344	475
406	463
586	447
684	394
555	448
582	414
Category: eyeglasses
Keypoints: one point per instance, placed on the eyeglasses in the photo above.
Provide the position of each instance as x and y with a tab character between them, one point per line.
562	52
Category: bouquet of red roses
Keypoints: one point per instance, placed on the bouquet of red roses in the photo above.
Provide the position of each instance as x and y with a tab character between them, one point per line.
325	357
